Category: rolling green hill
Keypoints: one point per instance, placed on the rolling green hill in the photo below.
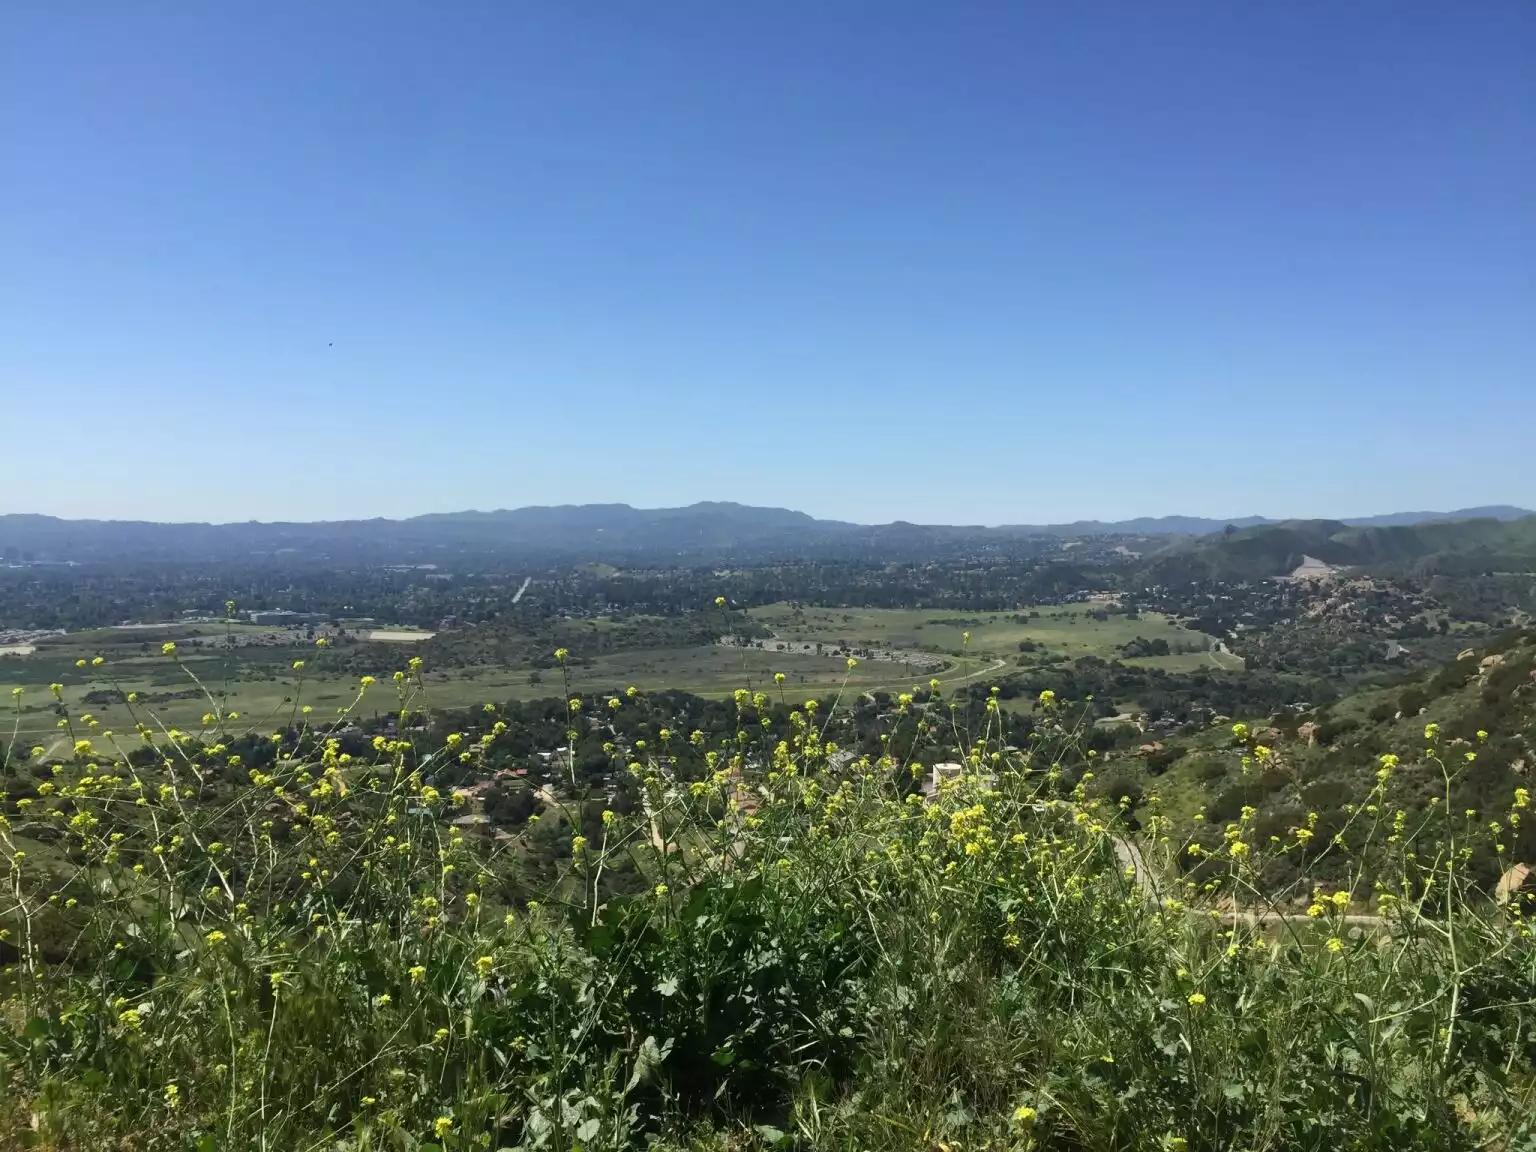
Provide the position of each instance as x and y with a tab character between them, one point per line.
1270	550
1465	734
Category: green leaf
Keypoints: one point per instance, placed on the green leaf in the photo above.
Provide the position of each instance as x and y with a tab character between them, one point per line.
753	888
668	987
647	1060
773	1137
724	1057
36	1028
599	939
697	905
589	1128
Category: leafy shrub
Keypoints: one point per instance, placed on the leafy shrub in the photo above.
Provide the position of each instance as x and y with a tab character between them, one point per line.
300	950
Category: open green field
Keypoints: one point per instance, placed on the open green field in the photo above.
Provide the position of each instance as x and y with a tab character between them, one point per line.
249	671
248	668
1211	658
706	671
1067	631
710	670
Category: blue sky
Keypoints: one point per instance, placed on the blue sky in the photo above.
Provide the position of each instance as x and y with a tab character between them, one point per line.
955	262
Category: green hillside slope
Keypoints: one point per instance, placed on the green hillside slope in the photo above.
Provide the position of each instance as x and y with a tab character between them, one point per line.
1271	550
1465	736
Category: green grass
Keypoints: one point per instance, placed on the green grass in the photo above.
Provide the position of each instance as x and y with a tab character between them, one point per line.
258	683
843	968
1190	661
243	675
1063	630
240	675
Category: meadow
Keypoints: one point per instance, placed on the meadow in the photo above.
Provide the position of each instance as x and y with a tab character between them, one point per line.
246	668
292	947
259	703
1062	631
257	684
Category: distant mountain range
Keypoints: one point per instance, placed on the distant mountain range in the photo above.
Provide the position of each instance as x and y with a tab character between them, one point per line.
1200	526
594	531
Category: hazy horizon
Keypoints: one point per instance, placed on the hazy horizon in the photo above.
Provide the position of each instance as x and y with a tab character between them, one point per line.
904	519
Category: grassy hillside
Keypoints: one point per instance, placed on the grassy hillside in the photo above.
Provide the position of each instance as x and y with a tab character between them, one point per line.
1271	550
1481	710
1061	631
738	938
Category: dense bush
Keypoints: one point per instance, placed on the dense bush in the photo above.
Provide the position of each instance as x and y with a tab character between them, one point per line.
793	949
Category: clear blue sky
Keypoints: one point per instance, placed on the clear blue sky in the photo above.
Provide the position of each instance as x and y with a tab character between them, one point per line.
937	261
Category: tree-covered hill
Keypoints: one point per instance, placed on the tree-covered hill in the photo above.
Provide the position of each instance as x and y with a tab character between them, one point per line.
1463	735
711	530
1273	550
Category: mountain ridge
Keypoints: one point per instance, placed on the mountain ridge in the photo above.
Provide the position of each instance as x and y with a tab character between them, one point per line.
1171	524
1267	551
712	528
